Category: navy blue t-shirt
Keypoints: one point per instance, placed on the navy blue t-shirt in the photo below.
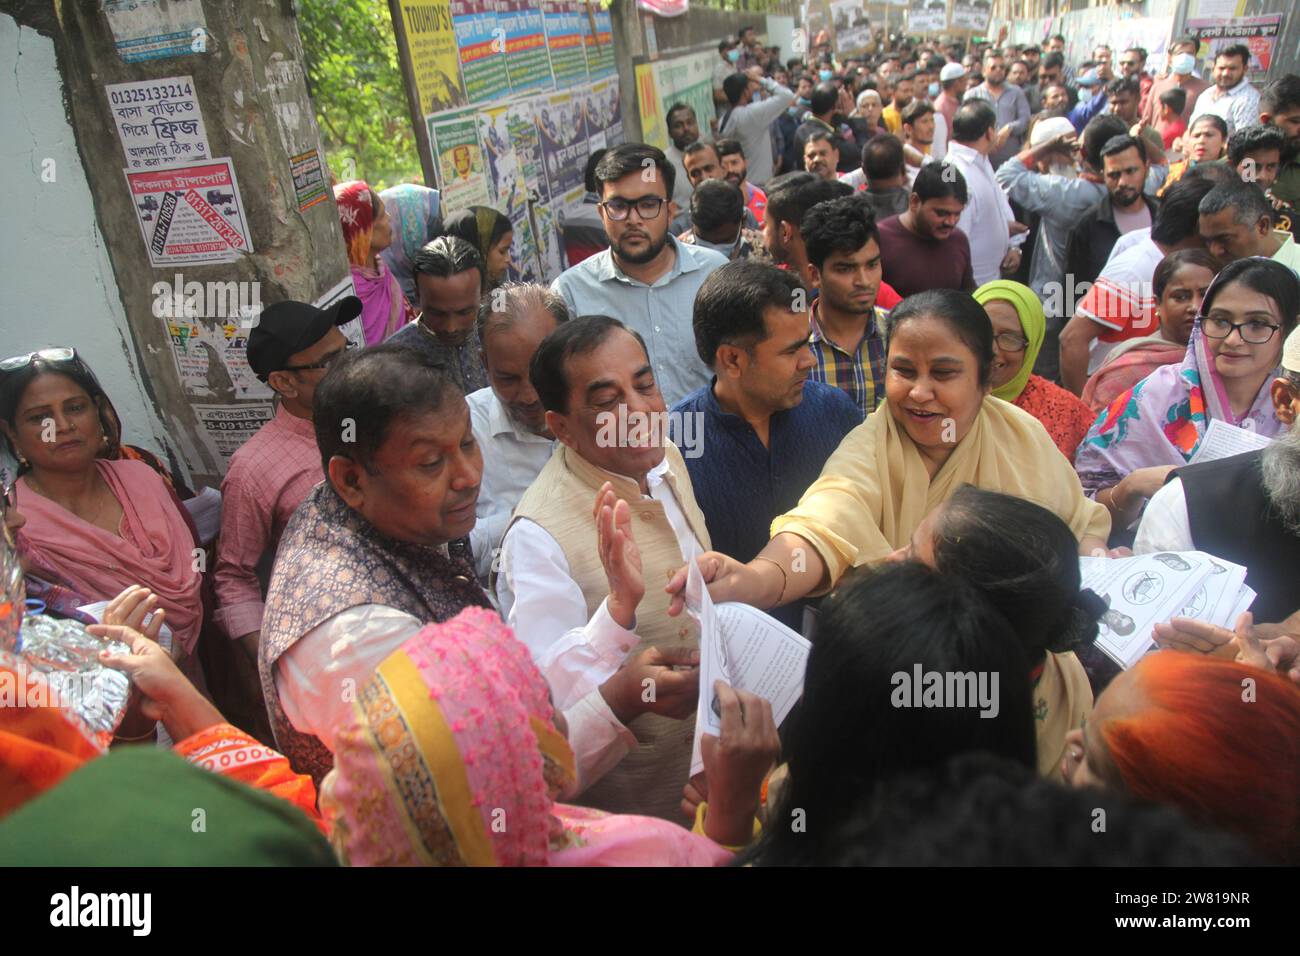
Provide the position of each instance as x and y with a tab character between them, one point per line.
741	486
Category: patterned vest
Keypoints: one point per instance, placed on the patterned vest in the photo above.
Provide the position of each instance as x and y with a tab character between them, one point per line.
332	559
650	778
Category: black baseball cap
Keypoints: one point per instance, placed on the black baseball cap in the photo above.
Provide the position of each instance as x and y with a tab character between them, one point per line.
286	328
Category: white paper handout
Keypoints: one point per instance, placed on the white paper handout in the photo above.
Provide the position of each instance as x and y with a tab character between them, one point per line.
1223	441
748	650
1149	589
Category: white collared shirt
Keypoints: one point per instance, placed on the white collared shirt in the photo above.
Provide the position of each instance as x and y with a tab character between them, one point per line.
987	218
1238	107
512	459
546	608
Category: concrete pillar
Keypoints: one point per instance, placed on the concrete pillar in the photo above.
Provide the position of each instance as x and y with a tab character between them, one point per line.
246	67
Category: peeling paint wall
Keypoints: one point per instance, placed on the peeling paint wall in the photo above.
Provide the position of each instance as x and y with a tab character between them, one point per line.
58	282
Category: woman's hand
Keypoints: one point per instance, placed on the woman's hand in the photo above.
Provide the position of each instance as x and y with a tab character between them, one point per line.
619	556
131	607
167	694
1126	499
736	763
1143	483
727	580
1198	637
694	793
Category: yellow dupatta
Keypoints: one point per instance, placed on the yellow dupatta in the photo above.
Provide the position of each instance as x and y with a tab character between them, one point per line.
874	490
1062	701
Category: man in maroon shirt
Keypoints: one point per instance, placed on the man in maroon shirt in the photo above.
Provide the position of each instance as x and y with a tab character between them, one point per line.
922	248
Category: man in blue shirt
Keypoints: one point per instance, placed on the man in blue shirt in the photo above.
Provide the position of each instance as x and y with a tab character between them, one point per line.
761	430
646	277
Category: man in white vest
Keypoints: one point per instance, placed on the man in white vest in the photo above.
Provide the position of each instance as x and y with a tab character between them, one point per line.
561	586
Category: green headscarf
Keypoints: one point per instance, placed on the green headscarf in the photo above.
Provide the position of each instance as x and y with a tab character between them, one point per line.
1032	321
141	806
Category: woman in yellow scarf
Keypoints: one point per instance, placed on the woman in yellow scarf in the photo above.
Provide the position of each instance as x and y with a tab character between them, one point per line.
1018	331
938	429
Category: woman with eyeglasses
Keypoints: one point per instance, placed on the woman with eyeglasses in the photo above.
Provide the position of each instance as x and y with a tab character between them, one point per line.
95	524
1019	327
1232	357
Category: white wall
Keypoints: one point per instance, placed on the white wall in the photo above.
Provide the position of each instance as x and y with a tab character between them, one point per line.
59	287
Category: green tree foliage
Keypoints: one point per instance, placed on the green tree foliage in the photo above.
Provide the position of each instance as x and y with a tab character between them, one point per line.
355	83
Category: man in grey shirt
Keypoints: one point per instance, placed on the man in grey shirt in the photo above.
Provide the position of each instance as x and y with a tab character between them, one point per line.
1045	179
1008	102
646	278
750	121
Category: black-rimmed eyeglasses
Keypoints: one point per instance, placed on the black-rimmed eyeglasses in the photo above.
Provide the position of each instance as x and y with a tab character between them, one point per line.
325	362
647	207
1252	331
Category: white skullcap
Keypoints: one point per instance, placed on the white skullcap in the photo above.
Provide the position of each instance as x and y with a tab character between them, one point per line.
1291	351
1049	128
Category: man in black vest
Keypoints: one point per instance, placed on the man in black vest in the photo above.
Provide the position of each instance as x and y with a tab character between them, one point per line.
1244	509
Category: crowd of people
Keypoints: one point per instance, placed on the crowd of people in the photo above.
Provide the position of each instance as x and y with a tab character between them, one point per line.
881	348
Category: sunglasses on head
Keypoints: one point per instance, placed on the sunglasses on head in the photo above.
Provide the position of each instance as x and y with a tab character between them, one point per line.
45	355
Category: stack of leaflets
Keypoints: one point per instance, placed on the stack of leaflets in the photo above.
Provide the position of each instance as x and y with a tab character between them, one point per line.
1149	589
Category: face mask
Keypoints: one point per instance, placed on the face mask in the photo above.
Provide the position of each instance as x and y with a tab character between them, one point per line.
1183	63
825	75
804	101
733	55
933	90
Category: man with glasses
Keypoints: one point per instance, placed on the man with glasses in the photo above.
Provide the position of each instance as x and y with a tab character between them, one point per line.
1051	72
1132	65
646	277
449	279
1236	221
290	348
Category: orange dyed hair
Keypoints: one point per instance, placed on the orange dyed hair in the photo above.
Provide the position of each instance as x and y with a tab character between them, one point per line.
356	203
1199	746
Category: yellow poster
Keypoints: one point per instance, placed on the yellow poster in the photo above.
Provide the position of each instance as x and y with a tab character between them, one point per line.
653	128
431	43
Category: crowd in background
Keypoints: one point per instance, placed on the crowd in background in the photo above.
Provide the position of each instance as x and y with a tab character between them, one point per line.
889	341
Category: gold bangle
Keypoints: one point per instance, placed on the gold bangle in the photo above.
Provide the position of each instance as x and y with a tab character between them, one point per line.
153	732
784	579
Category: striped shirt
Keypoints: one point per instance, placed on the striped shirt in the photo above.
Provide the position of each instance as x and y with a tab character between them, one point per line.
860	373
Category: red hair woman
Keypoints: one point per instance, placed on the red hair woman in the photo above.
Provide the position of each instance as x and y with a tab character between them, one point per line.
367	231
1218	739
